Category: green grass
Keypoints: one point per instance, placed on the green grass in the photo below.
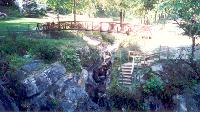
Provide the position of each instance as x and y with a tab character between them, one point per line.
15	22
18	24
16	60
15	51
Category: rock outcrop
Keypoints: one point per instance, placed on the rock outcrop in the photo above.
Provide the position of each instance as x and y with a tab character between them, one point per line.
52	89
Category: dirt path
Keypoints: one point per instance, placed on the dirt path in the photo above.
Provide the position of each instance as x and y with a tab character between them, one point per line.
170	35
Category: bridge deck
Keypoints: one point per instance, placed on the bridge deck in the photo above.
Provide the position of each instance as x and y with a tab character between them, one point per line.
110	27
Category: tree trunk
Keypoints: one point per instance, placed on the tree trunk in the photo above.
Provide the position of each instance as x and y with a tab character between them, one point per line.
121	19
123	16
155	17
193	50
74	11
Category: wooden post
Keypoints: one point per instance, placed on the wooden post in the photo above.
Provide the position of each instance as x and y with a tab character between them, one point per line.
92	26
100	26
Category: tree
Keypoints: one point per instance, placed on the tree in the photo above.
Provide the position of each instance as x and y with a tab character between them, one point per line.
59	4
189	12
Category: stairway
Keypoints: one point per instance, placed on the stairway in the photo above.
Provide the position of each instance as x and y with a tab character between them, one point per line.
126	74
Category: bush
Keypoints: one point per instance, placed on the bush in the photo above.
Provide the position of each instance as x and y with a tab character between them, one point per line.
16	60
107	38
121	97
153	85
20	46
47	52
71	60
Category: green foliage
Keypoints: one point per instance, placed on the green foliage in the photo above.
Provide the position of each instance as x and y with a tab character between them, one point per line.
21	49
154	84
53	102
47	52
11	11
107	38
31	10
16	60
19	46
61	6
183	9
149	4
71	60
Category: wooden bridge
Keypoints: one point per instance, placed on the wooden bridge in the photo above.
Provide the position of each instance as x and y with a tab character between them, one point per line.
110	27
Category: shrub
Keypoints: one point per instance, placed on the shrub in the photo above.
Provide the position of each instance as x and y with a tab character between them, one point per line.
71	60
107	38
19	46
16	60
47	52
153	85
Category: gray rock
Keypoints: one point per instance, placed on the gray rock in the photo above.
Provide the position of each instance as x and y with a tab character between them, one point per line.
65	95
27	69
38	82
192	97
189	101
51	89
31	66
157	68
180	103
6	102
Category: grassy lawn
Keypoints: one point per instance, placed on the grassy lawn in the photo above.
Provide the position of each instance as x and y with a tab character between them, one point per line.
15	22
18	24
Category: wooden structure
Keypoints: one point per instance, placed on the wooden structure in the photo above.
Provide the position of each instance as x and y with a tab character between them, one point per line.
110	27
139	60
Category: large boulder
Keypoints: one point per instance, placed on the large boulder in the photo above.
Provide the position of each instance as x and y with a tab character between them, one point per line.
52	89
27	70
40	81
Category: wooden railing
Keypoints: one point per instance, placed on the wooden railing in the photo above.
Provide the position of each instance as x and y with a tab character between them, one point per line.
86	25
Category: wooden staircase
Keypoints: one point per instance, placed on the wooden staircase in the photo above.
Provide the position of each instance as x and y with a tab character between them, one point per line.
139	60
126	74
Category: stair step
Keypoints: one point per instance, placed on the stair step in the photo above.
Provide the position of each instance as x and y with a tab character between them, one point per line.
126	67
126	76
125	79
125	70
126	73
127	64
125	83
